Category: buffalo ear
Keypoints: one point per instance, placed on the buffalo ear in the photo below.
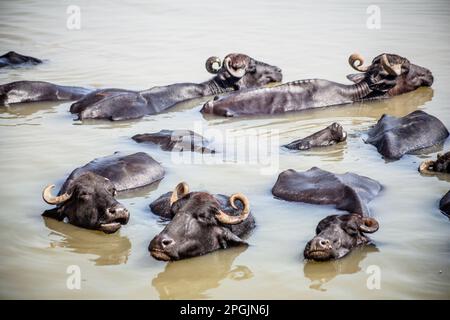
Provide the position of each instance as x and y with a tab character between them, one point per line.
229	239
368	225
356	77
54	214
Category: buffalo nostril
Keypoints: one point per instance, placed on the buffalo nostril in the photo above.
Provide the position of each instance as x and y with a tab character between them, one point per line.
116	210
166	242
324	243
118	214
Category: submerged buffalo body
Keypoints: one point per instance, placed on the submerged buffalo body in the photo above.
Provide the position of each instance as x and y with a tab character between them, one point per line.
388	75
331	135
36	91
393	137
13	59
238	71
200	223
337	235
87	197
444	204
349	191
440	165
178	140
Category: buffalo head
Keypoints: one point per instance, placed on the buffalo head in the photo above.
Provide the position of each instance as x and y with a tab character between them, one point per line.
336	235
390	74
198	226
441	164
88	202
240	71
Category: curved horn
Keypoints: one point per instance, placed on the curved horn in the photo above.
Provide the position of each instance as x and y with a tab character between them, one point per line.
239	73
180	190
356	61
213	65
227	219
425	167
369	225
394	70
47	196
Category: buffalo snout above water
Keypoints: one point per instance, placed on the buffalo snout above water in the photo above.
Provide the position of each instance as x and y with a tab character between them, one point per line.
199	225
337	235
440	165
331	135
14	59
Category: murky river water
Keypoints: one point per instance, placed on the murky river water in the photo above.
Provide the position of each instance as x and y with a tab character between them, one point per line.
145	43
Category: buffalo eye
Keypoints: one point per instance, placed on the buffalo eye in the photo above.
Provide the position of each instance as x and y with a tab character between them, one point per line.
337	243
251	68
351	230
84	196
112	191
202	218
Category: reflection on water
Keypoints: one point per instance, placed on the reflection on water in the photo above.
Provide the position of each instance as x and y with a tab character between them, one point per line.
25	110
111	249
328	153
179	280
398	106
438	175
320	273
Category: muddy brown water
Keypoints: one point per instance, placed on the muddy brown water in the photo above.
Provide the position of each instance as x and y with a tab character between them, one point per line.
141	44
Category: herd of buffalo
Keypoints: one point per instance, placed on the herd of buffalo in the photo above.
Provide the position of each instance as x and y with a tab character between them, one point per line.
200	222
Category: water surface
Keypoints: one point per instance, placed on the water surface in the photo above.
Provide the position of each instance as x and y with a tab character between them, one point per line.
140	44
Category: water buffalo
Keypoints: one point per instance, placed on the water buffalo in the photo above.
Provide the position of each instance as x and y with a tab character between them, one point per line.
444	204
331	135
349	191
36	91
393	137
178	140
87	197
440	165
238	71
199	225
388	75
13	59
337	235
